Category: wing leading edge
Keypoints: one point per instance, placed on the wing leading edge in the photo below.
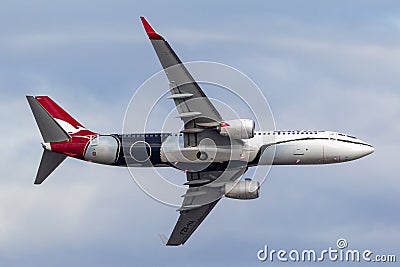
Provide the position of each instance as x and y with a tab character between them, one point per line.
194	108
199	201
184	88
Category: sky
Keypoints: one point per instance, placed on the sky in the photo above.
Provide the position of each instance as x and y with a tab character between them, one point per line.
323	65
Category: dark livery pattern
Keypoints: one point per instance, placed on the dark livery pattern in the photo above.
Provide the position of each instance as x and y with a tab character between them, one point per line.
140	149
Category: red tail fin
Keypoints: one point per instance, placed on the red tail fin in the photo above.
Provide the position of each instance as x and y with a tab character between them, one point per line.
66	121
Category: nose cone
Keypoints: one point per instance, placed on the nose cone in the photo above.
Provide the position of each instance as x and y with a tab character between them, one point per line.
346	150
366	150
362	150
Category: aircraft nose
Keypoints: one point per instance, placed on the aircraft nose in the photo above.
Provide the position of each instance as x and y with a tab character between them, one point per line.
366	150
369	150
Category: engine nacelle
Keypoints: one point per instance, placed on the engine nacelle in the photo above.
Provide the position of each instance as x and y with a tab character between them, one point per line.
247	189
102	149
237	129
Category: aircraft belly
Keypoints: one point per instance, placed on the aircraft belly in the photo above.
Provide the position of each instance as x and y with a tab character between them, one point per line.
174	151
293	153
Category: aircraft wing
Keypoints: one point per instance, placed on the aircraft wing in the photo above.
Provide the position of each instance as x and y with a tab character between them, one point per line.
199	201
201	120
194	108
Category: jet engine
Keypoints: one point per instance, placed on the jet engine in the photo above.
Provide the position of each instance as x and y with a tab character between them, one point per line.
237	129
102	149
247	189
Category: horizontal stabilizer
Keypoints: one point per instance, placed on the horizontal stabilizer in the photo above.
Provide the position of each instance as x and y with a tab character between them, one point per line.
50	161
51	131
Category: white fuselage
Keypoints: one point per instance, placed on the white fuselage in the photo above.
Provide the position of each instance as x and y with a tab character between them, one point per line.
272	148
307	147
265	148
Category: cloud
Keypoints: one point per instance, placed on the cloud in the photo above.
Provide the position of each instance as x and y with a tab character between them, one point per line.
333	70
45	40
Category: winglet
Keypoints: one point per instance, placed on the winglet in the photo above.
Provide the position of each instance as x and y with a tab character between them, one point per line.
164	239
150	31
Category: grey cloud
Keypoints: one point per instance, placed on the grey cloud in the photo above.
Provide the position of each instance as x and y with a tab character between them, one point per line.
322	66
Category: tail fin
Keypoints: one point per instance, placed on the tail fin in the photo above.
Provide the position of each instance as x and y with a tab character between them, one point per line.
50	161
51	131
66	121
45	112
55	125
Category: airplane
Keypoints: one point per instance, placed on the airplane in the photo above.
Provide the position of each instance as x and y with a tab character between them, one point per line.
237	146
